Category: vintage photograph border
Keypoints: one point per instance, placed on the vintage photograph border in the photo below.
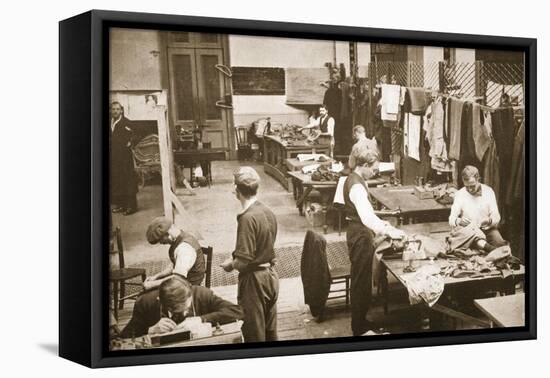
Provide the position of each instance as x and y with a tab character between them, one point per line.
84	195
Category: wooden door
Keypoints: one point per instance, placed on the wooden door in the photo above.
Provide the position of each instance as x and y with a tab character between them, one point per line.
213	118
197	88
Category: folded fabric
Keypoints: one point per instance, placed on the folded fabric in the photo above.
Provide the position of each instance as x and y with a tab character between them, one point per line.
391	95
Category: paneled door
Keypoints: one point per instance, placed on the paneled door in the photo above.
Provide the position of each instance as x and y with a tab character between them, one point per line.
197	89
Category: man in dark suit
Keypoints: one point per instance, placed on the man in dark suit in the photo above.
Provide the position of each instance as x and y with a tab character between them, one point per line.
176	303
123	175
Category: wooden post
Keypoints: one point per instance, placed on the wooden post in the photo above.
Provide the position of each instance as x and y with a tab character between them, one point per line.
165	162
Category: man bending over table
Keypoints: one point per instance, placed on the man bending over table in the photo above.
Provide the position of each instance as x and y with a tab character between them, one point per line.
177	303
474	215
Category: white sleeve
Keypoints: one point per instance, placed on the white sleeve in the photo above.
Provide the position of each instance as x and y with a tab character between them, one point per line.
360	198
456	209
330	126
493	209
185	256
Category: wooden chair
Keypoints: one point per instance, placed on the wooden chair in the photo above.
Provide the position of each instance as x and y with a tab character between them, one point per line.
243	145
118	277
338	275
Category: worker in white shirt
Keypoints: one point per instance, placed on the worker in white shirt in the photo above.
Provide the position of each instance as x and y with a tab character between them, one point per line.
326	125
363	225
360	137
476	205
185	253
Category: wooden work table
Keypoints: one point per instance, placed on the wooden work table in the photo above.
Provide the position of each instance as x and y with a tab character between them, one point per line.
411	207
189	158
454	287
504	311
277	150
303	185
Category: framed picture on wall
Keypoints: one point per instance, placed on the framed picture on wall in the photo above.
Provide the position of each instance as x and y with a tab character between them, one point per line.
237	188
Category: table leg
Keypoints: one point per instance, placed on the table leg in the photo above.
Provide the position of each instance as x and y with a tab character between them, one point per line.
383	282
115	299
302	200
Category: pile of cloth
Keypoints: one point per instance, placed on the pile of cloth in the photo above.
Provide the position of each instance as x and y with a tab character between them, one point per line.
499	262
424	285
323	173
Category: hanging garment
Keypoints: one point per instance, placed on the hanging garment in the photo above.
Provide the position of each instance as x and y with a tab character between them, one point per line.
391	95
467	148
412	125
491	170
516	189
434	125
481	137
416	100
455	127
333	101
315	272
503	132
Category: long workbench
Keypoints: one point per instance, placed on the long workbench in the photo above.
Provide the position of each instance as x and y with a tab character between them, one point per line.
277	150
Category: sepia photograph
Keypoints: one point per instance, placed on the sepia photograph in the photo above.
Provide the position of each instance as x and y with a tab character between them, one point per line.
267	189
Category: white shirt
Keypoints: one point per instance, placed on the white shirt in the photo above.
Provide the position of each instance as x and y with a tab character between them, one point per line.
475	208
360	198
114	122
185	257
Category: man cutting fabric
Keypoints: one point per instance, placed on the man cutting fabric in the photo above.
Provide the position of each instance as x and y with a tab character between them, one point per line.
178	304
475	211
360	137
254	257
363	225
185	253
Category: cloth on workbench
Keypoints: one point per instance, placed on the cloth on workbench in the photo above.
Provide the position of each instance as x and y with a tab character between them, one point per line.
444	193
455	127
424	285
315	272
462	238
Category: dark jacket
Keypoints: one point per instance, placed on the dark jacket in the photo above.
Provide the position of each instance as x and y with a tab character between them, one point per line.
315	272
207	305
123	176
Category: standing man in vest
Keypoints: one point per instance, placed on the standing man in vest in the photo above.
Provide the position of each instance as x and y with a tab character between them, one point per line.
254	259
185	253
327	124
362	227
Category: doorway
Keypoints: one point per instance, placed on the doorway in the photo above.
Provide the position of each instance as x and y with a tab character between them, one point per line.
198	88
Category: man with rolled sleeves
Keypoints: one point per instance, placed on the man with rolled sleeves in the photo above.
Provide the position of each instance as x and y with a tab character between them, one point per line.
254	257
363	225
185	253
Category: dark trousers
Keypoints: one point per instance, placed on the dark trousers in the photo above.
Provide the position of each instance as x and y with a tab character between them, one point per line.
494	237
361	250
257	295
127	201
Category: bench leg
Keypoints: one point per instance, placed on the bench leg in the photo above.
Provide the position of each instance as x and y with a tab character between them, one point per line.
115	299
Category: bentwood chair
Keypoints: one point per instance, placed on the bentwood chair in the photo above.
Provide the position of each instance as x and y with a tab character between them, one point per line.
120	276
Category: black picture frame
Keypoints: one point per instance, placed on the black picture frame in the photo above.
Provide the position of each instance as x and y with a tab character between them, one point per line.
83	197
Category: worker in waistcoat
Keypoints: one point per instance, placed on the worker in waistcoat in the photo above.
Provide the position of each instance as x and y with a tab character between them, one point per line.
326	125
185	253
363	225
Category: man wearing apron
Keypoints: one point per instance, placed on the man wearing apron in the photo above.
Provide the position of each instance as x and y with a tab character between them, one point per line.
363	225
254	257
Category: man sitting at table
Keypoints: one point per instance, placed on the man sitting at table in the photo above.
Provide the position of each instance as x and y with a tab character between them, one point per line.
474	215
185	253
363	225
360	137
179	304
